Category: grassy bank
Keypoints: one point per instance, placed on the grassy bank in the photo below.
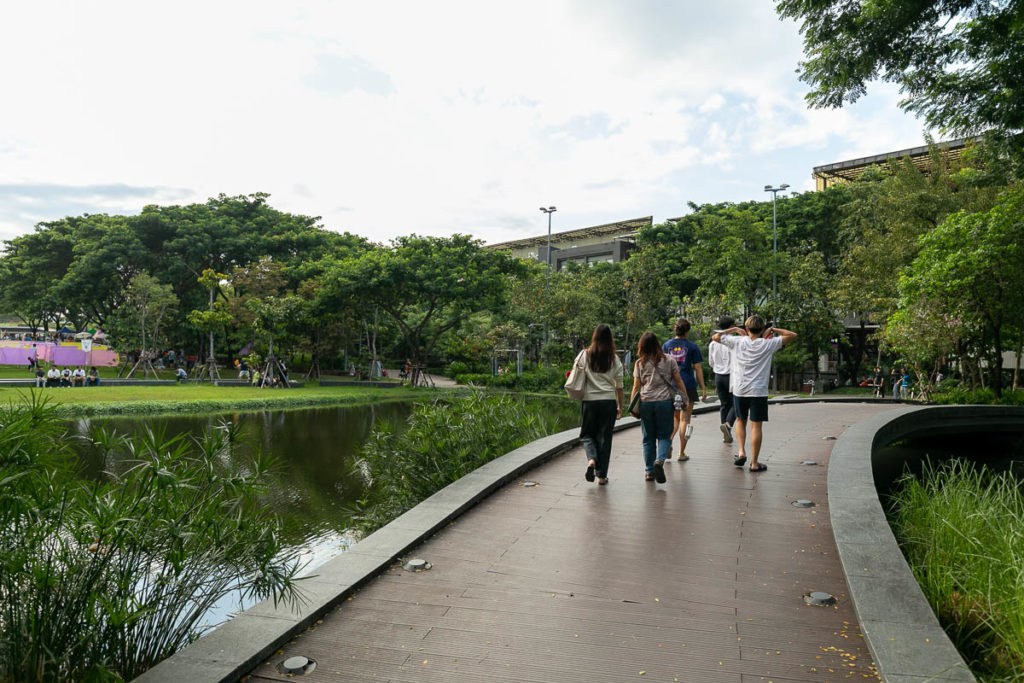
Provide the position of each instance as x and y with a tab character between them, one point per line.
201	398
960	527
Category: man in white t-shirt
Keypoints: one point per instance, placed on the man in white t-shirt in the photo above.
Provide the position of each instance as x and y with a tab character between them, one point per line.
752	352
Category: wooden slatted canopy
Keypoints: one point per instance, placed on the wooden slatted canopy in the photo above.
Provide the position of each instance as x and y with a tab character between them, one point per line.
847	171
619	229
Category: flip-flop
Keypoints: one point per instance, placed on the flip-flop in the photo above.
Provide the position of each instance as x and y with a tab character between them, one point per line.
758	468
659	473
740	461
649	476
603	482
589	476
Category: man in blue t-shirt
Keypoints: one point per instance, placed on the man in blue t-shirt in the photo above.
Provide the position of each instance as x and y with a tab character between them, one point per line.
687	356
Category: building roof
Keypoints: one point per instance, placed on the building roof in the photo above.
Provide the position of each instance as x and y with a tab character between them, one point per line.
626	228
919	156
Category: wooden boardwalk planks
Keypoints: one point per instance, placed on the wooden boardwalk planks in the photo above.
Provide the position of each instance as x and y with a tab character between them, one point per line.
700	579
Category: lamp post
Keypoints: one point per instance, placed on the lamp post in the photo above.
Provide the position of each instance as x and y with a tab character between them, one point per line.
550	210
775	247
547	282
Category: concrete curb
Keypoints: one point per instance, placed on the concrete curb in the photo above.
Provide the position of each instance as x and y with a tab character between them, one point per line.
901	630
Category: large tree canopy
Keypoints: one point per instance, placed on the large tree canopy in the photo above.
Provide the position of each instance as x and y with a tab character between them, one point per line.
426	285
957	62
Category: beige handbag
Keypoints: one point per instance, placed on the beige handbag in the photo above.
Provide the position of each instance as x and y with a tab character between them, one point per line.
577	380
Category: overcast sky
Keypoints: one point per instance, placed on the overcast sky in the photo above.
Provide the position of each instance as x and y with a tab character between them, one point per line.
389	118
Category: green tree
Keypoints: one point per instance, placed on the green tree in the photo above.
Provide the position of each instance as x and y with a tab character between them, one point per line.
32	264
888	211
731	254
426	285
958	63
147	304
972	266
805	306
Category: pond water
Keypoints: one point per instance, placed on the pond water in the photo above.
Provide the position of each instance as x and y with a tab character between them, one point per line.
316	448
999	450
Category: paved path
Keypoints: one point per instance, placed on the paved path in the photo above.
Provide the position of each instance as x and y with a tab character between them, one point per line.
700	579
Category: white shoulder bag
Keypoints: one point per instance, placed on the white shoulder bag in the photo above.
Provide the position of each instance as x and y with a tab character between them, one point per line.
577	380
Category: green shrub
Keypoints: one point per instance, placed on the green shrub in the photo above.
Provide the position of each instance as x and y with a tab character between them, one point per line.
956	395
457	368
539	380
102	580
445	440
960	527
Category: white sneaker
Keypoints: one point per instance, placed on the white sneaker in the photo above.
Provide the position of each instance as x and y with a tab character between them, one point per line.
726	433
689	432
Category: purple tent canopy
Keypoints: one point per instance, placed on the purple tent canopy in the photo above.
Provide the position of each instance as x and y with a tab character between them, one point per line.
12	355
68	355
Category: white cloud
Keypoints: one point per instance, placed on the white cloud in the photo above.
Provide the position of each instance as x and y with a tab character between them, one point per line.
390	118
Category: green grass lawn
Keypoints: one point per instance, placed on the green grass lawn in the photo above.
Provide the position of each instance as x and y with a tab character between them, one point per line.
201	398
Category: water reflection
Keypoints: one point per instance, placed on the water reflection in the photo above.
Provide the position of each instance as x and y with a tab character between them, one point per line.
315	449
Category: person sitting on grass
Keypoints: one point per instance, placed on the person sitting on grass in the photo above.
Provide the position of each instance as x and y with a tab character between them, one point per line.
181	375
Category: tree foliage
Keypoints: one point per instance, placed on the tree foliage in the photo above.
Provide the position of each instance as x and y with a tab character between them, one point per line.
972	266
426	285
958	63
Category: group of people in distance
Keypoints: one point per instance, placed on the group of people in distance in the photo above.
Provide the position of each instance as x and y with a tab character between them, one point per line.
66	377
666	378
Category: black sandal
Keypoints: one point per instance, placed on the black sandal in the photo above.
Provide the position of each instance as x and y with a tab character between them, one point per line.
589	476
659	473
758	467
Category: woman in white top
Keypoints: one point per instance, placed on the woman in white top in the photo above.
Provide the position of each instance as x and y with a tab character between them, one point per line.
602	401
720	358
656	376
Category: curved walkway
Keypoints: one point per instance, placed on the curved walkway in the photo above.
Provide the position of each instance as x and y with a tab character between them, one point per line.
700	579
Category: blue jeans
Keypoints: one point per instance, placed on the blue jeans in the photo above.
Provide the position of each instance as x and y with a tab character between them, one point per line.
656	425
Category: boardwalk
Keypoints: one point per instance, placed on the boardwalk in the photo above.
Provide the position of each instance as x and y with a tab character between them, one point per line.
698	580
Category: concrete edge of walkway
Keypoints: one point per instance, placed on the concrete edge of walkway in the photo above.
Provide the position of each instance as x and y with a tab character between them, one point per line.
902	632
239	645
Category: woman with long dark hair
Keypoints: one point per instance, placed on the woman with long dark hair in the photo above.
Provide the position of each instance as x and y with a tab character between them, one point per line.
654	375
602	401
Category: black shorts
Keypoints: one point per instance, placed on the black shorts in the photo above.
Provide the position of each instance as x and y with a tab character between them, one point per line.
753	408
691	397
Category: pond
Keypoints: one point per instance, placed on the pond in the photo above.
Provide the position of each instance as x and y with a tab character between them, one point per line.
316	449
999	450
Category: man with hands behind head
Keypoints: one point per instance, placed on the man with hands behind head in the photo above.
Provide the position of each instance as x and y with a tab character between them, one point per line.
752	350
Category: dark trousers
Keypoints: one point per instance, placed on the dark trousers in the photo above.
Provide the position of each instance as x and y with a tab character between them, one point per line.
597	424
725	407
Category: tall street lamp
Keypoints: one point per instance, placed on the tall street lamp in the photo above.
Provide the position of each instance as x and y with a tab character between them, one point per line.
550	210
775	247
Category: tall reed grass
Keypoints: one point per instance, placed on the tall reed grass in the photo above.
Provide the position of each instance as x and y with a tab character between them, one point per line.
101	580
445	439
961	527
